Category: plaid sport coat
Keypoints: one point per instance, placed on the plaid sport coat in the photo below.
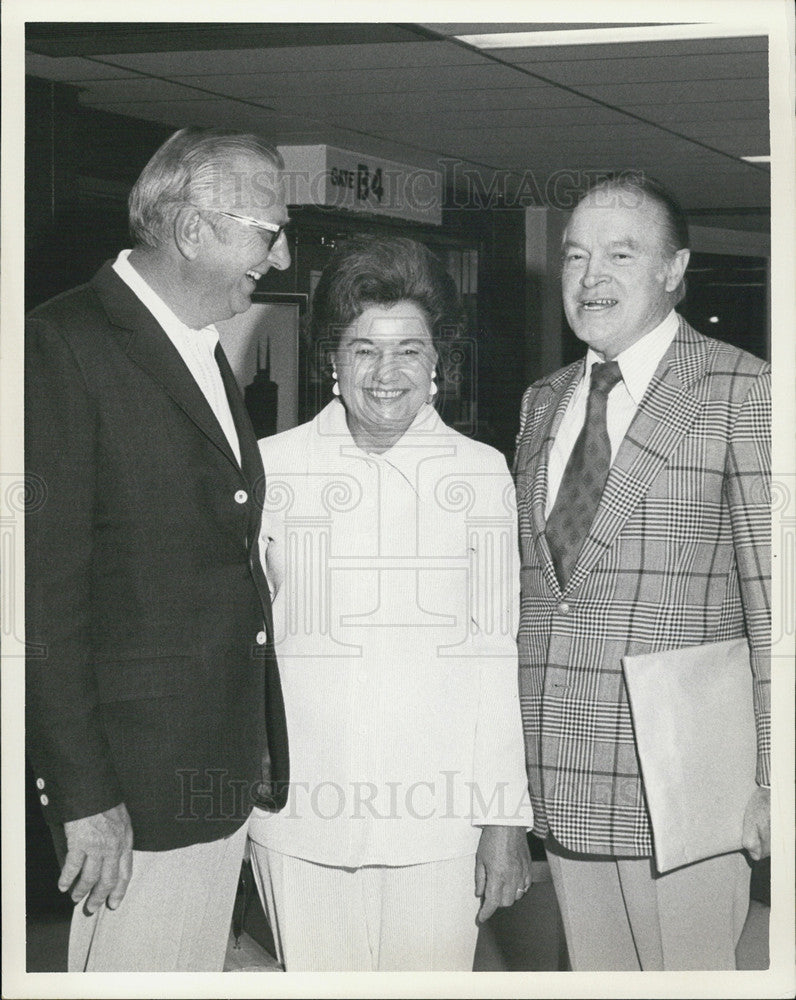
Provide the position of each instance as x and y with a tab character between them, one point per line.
678	555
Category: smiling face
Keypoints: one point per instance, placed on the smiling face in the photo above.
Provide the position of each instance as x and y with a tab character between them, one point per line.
384	362
234	255
619	279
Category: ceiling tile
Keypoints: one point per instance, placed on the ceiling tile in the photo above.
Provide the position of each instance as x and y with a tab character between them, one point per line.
662	70
357	82
418	101
70	69
454	102
626	50
317	58
133	91
729	89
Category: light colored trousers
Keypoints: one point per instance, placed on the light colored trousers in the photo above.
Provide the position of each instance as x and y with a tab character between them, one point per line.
374	918
619	915
175	916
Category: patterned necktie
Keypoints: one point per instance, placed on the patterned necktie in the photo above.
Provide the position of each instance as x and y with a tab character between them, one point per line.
584	477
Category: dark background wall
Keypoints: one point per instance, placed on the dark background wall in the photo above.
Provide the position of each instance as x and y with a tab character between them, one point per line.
79	166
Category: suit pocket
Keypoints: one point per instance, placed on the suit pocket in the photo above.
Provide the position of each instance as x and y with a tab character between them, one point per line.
129	679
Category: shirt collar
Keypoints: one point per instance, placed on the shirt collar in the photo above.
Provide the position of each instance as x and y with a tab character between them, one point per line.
171	323
332	424
638	362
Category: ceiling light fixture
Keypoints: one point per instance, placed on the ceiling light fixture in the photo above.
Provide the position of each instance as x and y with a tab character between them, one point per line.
602	35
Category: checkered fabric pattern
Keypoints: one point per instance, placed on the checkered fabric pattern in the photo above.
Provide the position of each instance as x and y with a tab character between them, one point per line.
678	555
584	477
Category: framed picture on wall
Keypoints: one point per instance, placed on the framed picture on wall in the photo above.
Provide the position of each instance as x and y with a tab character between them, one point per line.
262	345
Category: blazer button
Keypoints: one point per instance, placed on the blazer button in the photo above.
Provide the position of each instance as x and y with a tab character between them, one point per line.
241	496
40	783
261	637
563	607
44	800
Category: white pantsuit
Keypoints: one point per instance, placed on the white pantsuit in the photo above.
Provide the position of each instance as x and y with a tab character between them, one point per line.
396	586
375	918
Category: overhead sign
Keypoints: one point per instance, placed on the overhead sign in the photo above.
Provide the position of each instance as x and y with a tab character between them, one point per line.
338	178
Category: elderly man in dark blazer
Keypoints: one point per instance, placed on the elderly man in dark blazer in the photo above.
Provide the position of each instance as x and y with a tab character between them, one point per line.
154	714
643	493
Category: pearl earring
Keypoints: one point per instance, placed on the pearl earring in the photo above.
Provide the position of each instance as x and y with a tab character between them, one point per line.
336	386
432	392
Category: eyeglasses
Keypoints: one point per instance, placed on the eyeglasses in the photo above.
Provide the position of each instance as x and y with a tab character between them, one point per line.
273	229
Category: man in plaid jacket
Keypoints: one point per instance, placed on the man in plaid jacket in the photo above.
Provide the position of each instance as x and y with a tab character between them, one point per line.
675	553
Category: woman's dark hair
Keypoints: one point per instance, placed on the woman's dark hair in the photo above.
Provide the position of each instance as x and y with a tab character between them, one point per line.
383	270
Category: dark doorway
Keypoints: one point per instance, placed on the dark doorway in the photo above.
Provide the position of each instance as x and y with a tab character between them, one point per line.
726	298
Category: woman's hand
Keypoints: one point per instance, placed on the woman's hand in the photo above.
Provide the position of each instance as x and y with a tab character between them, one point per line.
502	868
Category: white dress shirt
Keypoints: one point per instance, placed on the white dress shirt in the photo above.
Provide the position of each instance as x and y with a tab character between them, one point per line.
196	347
637	364
396	581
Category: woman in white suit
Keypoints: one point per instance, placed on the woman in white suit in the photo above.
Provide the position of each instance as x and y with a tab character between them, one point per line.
390	546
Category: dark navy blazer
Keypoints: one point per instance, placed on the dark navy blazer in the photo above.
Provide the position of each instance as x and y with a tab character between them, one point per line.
148	680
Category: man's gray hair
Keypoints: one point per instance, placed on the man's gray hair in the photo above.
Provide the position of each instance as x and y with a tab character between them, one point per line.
642	186
189	168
